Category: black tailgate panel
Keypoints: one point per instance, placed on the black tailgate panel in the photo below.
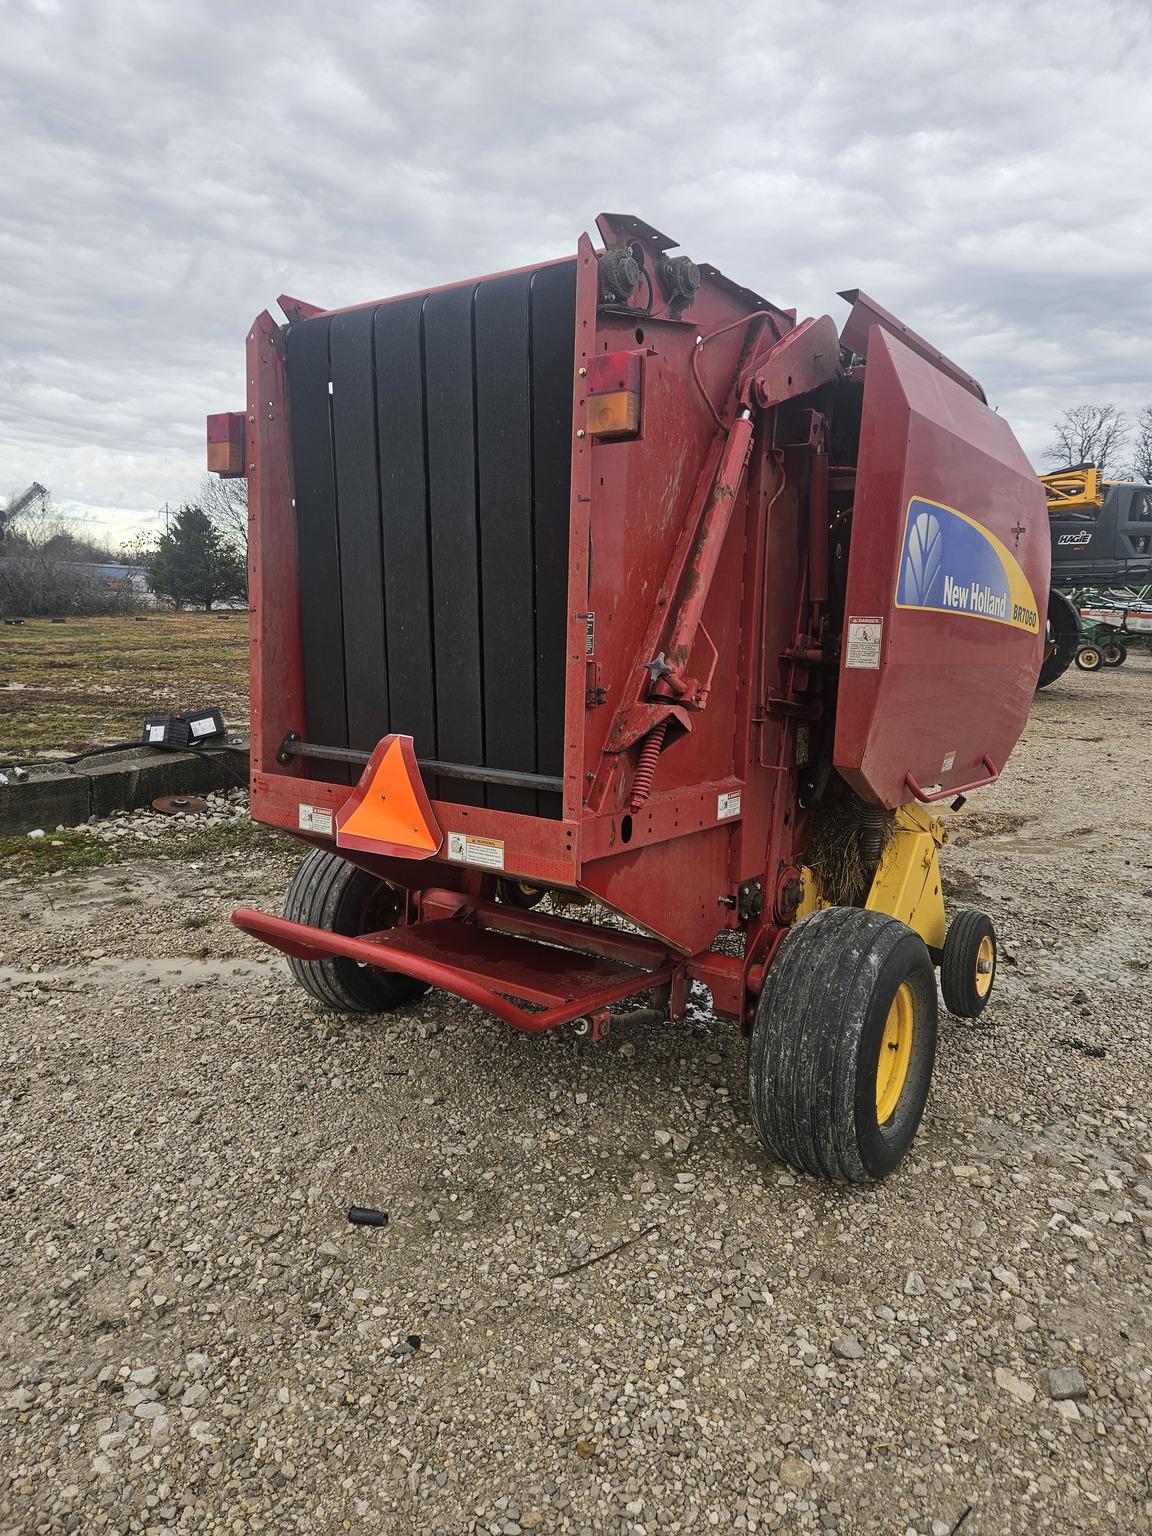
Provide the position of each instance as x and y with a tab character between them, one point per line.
431	450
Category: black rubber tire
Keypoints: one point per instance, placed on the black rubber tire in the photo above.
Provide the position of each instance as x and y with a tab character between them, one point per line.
327	892
1063	631
958	961
515	894
1115	654
816	1043
1089	658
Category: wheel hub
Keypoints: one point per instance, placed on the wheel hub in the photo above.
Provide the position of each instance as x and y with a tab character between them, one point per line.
895	1054
985	956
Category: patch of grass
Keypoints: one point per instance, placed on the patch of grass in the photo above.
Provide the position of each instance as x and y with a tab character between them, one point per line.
64	687
29	858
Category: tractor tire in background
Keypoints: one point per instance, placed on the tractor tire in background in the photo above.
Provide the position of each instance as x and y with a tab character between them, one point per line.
1063	634
968	964
843	1045
1115	654
1089	658
327	892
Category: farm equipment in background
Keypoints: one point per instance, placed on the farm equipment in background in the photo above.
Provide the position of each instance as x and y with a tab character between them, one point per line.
609	579
1110	622
1101	535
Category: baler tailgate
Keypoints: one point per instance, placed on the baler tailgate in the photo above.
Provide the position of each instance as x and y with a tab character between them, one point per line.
479	964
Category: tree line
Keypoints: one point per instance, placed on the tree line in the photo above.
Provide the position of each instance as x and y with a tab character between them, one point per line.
48	562
201	558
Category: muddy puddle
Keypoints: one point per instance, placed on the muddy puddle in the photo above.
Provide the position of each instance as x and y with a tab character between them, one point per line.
177	971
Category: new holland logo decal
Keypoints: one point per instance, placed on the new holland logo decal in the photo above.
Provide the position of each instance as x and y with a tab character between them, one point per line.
951	564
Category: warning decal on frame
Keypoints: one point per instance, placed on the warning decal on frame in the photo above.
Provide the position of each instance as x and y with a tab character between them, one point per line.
863	648
314	818
728	804
488	851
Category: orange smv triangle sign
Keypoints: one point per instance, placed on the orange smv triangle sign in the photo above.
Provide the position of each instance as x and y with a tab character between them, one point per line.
389	810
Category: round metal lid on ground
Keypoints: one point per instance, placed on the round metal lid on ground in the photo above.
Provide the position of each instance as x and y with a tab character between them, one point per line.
180	805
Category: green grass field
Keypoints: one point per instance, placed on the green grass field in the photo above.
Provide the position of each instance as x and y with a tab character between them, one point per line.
64	687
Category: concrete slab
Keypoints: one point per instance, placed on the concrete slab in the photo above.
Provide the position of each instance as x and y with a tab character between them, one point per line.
56	795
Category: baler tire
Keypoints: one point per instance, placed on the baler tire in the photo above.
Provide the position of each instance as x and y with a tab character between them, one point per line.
1063	629
327	892
970	940
1115	654
843	982
1089	658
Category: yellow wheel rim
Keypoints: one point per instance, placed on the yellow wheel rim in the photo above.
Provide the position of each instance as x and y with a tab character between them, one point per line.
985	965
895	1053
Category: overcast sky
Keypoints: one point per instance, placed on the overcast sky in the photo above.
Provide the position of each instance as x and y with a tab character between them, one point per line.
166	169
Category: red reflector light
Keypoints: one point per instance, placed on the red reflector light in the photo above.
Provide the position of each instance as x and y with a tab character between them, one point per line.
226	444
614	370
614	394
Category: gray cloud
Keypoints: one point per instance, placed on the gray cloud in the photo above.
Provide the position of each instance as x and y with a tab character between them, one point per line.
167	169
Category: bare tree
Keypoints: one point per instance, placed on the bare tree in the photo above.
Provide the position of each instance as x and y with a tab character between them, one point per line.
226	503
1141	466
1088	434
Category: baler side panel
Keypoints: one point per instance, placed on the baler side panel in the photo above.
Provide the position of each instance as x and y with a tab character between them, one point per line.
276	674
653	864
954	682
642	491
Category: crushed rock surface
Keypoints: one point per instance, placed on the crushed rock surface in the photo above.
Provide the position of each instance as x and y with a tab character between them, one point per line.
195	1339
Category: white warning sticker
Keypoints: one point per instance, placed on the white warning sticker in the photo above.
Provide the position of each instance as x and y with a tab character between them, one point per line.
947	765
728	804
155	733
314	818
205	727
863	648
466	849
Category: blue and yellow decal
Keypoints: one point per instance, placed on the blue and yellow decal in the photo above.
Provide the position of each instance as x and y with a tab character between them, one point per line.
951	564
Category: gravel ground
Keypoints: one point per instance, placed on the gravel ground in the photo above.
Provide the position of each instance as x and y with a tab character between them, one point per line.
196	1340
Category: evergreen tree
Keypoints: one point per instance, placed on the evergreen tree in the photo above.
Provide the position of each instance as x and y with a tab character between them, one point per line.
194	565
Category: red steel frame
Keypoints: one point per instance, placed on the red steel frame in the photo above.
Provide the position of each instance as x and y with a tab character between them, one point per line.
720	510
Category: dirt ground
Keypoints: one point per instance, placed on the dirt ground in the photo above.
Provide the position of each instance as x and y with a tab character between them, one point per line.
195	1339
84	682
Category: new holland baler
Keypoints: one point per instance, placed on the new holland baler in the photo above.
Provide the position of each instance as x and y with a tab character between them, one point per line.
606	589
